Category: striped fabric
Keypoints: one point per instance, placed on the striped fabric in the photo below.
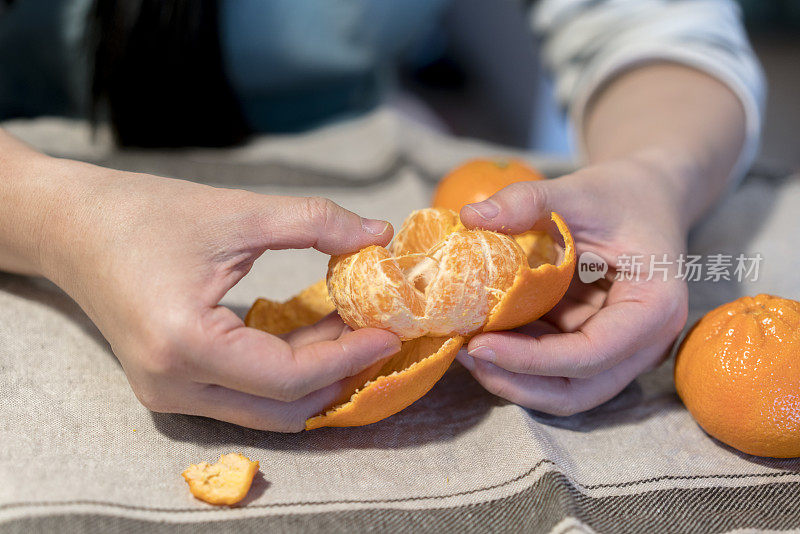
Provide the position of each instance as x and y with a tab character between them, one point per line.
587	42
79	454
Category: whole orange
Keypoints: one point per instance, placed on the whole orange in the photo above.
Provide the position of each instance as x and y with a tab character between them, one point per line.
478	179
738	373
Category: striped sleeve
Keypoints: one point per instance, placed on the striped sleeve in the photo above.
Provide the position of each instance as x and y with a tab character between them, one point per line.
587	42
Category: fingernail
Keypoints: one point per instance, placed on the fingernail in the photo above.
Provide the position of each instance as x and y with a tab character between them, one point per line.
486	209
483	353
374	226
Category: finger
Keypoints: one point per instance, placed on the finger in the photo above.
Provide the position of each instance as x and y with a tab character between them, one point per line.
537	329
568	315
261	413
579	303
536	392
313	222
559	395
517	208
329	327
634	314
252	361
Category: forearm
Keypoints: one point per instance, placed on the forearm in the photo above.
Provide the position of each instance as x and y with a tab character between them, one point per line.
24	196
44	223
684	124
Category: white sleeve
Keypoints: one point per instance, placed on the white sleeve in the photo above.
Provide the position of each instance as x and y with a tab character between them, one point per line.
587	42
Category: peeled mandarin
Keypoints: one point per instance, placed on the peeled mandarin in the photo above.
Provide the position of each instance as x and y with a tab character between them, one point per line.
423	230
446	280
434	283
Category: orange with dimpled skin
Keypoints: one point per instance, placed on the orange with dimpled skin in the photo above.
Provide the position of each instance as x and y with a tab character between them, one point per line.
478	179
738	373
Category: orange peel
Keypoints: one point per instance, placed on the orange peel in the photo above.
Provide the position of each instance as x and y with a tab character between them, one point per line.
225	482
308	307
406	377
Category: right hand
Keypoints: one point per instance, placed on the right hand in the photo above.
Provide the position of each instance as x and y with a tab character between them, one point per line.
149	259
602	335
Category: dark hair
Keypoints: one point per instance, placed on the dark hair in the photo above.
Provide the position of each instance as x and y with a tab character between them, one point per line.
158	74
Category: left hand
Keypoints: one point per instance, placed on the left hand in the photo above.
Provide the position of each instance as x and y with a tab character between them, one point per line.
601	336
149	259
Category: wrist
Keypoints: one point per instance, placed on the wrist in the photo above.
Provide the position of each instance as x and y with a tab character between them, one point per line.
680	122
48	218
677	176
66	222
26	196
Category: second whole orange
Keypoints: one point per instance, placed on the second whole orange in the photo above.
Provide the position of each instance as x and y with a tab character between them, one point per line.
738	373
478	179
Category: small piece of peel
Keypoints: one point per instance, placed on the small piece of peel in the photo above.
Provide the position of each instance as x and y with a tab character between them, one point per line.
223	483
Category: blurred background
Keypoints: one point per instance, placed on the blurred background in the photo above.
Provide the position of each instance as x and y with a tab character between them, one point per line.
496	106
475	74
774	28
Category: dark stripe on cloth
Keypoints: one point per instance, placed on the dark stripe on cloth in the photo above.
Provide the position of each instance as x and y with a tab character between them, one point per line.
538	508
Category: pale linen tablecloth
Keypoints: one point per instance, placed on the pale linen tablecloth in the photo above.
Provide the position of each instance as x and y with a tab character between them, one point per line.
78	453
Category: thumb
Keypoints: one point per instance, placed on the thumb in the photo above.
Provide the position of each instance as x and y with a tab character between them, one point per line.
514	209
315	222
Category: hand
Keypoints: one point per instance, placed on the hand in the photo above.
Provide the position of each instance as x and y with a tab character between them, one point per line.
149	259
601	336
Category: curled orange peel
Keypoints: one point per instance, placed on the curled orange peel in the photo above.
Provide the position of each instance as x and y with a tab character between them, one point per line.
436	286
406	377
307	307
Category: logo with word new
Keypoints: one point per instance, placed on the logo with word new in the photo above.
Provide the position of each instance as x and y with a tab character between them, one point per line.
591	267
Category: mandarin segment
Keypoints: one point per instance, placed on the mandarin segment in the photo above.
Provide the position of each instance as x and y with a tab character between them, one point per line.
223	483
738	373
536	290
474	267
369	289
423	230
